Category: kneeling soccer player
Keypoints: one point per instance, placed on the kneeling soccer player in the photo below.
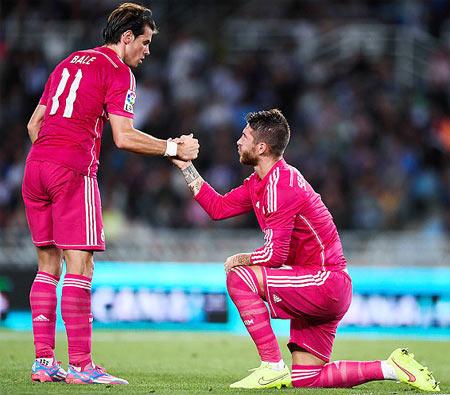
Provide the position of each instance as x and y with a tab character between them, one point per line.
300	271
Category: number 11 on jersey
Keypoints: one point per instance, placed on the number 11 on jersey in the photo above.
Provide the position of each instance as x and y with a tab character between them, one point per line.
70	97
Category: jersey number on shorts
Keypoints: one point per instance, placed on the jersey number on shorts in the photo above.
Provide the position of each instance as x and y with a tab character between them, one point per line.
70	97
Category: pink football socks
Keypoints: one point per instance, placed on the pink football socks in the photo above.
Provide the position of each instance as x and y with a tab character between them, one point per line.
338	374
243	289
43	311
76	313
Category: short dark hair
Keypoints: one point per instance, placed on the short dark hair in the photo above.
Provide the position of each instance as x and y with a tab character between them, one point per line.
128	16
272	128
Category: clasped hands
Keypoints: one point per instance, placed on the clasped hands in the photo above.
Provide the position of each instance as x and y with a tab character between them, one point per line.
187	147
187	150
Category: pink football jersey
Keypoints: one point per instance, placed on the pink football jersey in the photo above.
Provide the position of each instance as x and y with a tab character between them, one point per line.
298	228
79	94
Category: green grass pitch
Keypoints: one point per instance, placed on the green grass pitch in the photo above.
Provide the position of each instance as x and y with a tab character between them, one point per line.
195	363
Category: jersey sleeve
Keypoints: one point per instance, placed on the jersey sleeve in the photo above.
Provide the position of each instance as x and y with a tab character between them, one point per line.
235	202
281	210
120	93
44	97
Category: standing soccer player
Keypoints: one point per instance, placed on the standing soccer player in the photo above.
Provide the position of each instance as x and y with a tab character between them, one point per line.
300	271
62	199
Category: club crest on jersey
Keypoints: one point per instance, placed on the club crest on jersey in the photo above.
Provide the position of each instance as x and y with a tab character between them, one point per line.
129	101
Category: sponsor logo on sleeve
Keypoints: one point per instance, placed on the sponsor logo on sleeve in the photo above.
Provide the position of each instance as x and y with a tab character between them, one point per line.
129	101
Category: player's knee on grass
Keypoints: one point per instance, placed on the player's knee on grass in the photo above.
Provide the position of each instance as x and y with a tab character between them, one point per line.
301	356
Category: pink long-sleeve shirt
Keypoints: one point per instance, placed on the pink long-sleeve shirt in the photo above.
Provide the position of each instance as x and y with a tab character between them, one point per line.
79	95
299	230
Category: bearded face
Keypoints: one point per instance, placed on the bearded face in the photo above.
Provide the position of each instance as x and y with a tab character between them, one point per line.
247	147
248	156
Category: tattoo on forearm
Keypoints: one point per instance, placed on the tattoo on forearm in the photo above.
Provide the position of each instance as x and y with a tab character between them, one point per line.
244	259
196	185
193	179
190	174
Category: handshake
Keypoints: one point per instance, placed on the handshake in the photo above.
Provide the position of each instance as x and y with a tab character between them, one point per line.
182	150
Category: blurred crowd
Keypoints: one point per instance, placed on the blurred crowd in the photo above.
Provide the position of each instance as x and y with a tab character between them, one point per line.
378	151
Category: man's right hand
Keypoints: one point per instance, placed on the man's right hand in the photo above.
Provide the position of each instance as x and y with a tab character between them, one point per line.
187	148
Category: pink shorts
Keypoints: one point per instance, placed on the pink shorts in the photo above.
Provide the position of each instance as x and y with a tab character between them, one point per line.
63	207
315	302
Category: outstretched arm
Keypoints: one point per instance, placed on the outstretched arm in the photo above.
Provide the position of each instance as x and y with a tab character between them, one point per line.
130	139
214	203
218	206
192	177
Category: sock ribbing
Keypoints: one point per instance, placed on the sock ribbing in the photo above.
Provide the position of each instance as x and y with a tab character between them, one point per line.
76	313
43	303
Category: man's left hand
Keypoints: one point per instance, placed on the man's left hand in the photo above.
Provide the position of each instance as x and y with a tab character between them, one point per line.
236	260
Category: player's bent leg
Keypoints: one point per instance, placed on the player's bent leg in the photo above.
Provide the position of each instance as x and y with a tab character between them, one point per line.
43	304
338	374
401	366
309	370
411	372
244	289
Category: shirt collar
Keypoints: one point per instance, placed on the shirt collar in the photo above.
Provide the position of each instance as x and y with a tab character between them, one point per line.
261	183
108	51
279	163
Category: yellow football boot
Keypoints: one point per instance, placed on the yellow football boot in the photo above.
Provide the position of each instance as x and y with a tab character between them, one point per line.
265	377
411	372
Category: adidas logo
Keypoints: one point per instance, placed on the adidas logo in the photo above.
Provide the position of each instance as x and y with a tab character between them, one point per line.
276	299
40	317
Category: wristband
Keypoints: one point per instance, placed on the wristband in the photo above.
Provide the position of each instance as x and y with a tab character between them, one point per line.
171	149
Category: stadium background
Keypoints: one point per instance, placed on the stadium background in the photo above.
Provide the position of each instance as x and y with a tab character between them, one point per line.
365	87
